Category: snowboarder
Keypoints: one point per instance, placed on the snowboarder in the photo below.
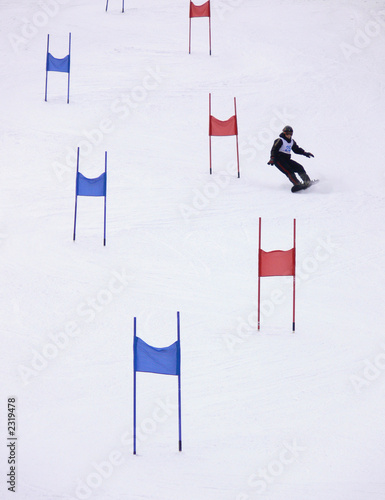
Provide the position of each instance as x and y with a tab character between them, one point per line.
280	156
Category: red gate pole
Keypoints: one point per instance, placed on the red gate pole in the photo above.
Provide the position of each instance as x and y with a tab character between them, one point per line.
294	276
211	170
259	277
236	137
210	32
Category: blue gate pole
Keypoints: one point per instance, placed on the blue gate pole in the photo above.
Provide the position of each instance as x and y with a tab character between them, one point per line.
46	69
69	68
106	5
105	198
134	419
76	193
122	5
179	388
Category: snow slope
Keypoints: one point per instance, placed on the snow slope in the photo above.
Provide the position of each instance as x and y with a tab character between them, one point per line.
266	415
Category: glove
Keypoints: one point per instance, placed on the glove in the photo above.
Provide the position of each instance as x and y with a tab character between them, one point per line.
271	161
308	155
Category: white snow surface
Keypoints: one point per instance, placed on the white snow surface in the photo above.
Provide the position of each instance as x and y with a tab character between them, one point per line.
269	414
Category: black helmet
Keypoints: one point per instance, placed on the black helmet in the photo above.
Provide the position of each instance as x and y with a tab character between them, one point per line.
287	129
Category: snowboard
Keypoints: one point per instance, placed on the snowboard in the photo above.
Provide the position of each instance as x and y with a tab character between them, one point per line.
301	187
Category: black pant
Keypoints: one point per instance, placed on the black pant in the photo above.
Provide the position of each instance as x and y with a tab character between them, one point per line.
290	167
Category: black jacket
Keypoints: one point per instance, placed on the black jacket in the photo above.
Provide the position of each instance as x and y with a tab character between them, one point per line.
275	153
